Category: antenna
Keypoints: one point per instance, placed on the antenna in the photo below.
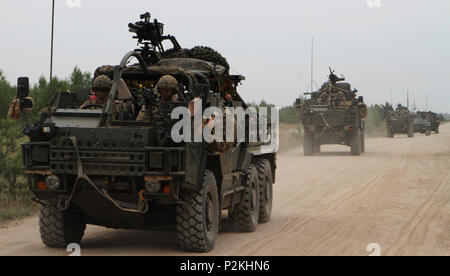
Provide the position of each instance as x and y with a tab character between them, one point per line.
312	64
407	98
51	51
426	101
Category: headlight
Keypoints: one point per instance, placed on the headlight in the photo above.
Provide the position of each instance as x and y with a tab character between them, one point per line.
153	186
52	182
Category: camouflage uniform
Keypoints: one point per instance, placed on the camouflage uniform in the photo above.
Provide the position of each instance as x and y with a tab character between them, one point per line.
101	82
165	82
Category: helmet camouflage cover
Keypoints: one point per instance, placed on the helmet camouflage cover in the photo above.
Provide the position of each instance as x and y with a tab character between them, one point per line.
102	82
167	82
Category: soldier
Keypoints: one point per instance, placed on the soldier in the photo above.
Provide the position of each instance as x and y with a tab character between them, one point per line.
167	88
228	100
101	88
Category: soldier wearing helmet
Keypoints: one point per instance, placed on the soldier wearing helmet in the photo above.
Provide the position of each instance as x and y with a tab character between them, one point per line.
167	88
100	90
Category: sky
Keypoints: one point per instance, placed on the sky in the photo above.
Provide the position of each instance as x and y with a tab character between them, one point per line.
383	47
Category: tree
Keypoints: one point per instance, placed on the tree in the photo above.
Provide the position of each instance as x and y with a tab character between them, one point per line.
10	133
384	109
79	80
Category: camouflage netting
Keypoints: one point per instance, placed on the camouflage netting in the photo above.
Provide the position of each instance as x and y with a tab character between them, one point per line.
169	67
198	52
342	85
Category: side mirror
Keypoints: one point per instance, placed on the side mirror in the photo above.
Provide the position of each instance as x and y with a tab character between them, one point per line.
361	99
23	87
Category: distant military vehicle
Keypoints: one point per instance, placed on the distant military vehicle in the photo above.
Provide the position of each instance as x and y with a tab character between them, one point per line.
431	117
400	121
102	166
422	123
333	115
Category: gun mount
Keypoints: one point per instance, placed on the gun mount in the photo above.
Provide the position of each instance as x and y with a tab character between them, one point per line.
150	36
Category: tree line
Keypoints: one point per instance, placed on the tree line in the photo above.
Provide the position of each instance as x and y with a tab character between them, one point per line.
11	131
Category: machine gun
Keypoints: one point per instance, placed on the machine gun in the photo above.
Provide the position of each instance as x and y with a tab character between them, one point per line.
150	35
333	78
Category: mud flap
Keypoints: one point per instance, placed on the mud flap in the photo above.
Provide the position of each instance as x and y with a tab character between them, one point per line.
196	157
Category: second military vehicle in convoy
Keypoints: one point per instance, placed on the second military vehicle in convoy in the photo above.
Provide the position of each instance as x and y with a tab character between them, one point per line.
333	115
117	164
400	121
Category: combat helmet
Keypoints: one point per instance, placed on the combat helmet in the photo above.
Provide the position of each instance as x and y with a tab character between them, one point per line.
102	82
167	82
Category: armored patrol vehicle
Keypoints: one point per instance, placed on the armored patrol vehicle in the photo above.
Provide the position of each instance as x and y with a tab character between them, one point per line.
400	121
333	115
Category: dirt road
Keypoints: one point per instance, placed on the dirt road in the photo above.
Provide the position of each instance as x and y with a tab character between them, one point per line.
396	195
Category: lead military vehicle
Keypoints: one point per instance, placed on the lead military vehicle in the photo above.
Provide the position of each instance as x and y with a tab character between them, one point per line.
96	166
400	121
333	115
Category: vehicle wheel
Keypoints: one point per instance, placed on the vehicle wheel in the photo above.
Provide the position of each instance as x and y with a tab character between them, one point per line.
363	142
355	143
245	215
428	132
60	228
316	149
390	134
198	221
437	131
265	190
308	143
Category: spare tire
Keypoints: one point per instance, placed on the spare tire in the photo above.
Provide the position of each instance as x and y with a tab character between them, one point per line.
208	54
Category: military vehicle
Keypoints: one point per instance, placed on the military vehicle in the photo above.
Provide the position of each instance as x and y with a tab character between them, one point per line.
400	121
94	167
422	123
333	115
421	120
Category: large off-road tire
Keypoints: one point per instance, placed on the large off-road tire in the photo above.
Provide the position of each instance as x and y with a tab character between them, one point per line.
355	142
245	216
316	148
363	142
208	54
428	132
265	190
308	143
411	132
390	134
60	228
198	221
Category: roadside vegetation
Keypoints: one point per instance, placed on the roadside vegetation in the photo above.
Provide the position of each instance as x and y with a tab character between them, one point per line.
15	198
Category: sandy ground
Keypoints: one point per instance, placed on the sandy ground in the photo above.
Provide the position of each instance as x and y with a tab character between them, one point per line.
396	195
